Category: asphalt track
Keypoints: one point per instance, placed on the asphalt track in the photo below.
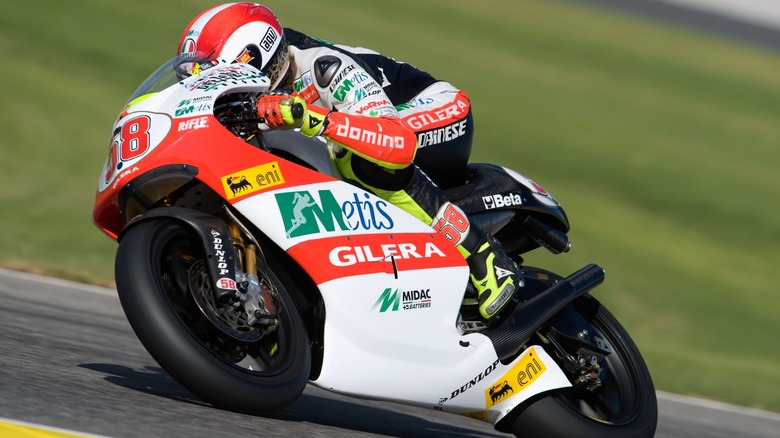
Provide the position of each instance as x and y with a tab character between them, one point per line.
69	360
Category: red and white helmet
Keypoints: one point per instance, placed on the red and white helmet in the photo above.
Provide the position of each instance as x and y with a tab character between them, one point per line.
239	32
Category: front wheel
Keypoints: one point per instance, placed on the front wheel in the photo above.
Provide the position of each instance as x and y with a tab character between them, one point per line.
619	401
160	280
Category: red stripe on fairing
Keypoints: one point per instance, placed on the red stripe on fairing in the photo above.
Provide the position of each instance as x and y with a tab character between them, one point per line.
371	254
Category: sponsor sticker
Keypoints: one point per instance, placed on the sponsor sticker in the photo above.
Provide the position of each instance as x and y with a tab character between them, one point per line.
526	371
500	201
252	180
392	300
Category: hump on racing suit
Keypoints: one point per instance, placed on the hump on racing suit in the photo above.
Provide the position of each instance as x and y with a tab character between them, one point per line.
438	113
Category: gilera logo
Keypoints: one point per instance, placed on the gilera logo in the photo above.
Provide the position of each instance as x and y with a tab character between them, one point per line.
498	201
413	299
352	255
455	110
303	215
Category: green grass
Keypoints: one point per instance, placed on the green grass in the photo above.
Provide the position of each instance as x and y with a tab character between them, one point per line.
660	142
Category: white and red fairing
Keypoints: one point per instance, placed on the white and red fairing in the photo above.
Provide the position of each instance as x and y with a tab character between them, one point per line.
392	287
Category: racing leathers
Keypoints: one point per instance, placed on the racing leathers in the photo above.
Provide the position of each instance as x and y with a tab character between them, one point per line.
378	112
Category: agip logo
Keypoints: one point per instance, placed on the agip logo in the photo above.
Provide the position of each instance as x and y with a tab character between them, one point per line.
526	371
252	180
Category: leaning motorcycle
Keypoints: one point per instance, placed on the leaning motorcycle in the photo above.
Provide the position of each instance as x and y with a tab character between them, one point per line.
249	268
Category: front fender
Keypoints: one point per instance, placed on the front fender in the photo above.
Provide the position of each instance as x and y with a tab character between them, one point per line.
213	235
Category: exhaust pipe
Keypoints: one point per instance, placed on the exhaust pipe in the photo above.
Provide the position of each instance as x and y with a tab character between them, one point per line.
509	337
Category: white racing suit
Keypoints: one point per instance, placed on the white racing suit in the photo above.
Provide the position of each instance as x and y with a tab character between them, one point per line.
389	120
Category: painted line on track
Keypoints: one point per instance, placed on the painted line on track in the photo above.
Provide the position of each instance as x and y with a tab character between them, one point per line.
718	406
58	282
22	429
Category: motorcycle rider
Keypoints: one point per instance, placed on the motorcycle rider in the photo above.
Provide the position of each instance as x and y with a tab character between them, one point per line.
386	119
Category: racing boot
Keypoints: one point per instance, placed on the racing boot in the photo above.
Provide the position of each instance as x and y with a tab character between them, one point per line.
494	275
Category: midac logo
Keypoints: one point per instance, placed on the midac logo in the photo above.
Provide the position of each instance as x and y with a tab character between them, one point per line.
412	299
388	298
302	215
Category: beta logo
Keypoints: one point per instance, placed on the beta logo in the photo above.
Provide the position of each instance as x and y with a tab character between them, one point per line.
500	201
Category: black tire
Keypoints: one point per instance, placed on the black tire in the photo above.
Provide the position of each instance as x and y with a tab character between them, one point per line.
625	406
153	263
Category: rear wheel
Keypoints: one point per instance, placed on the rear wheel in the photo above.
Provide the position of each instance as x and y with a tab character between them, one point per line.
205	345
612	393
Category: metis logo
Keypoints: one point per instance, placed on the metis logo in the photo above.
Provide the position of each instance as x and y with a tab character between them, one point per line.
407	300
499	201
303	214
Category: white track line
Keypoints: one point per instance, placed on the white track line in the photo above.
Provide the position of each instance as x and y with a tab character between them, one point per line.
718	406
58	282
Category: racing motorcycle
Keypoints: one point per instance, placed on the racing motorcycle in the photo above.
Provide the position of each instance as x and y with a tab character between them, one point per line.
249	268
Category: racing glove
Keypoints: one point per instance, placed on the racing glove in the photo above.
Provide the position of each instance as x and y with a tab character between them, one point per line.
283	110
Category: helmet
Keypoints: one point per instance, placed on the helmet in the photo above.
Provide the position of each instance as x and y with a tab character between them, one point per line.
239	32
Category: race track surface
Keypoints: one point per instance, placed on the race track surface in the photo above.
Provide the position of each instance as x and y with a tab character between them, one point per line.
69	360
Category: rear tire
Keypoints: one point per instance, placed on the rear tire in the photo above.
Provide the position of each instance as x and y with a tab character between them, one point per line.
625	406
153	263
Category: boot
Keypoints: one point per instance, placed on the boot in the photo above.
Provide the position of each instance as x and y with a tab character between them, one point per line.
495	276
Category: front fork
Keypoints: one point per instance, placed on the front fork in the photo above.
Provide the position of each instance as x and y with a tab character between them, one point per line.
252	293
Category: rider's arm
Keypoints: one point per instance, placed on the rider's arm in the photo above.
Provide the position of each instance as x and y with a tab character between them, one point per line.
362	118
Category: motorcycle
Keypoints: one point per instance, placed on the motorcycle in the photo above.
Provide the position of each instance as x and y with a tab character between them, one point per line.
249	268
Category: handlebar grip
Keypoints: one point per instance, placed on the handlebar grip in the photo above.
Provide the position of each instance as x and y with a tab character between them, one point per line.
297	110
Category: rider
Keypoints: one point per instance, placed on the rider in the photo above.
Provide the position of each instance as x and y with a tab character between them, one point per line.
385	118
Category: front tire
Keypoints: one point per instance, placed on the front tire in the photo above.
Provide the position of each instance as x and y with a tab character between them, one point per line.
154	262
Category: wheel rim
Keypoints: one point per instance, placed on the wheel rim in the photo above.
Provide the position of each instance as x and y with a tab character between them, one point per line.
219	328
618	401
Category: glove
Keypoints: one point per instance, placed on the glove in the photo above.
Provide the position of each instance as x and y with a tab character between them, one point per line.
283	110
275	111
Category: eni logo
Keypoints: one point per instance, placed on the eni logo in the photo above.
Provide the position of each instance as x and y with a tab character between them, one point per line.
526	371
252	180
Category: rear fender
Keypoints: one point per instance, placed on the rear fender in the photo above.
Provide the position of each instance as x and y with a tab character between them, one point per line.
212	234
